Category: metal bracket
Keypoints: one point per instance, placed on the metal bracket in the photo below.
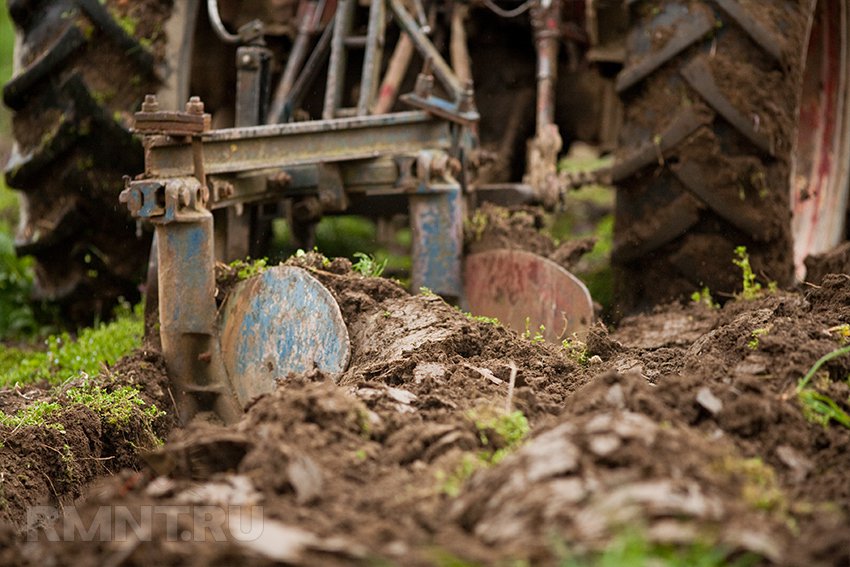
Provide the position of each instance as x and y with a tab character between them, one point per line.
164	200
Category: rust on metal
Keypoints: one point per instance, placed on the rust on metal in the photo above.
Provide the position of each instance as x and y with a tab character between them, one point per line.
525	291
279	322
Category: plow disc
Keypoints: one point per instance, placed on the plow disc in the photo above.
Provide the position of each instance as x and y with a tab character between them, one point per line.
280	322
527	292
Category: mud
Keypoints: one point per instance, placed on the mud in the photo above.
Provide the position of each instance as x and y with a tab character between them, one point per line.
498	228
683	424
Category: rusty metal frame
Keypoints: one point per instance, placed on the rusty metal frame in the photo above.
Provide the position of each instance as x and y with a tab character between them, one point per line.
254	149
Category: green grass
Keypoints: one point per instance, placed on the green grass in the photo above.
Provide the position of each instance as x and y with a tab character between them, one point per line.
66	358
36	414
634	549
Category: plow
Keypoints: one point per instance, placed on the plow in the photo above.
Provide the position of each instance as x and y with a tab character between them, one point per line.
483	400
284	320
340	122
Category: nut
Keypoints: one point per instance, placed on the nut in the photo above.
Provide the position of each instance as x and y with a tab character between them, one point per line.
151	104
195	106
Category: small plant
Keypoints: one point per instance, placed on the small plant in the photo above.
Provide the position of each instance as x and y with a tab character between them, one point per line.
506	430
476	225
368	266
703	297
248	269
426	292
751	289
538	334
478	318
818	407
753	343
483	319
576	350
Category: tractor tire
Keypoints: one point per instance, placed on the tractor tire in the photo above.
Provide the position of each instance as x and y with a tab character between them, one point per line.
728	106
82	69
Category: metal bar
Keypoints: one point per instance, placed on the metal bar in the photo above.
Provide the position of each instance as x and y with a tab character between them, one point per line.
547	26
293	63
370	177
396	70
426	48
308	74
252	84
459	52
187	315
436	220
339	58
374	55
243	150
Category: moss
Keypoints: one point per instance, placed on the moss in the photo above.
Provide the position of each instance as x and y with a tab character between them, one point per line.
759	487
36	414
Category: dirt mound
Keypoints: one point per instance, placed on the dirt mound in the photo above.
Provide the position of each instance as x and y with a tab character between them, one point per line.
684	424
52	464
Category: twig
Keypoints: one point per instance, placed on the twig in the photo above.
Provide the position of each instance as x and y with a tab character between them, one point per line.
511	384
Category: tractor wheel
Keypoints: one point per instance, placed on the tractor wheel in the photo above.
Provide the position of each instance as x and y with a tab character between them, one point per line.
736	133
82	68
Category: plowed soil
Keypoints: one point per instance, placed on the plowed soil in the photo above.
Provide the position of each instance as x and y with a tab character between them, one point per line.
683	425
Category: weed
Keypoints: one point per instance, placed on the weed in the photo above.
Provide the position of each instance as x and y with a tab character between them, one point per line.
475	225
576	350
248	269
753	343
482	319
538	334
703	297
36	414
368	266
818	407
751	289
426	292
478	318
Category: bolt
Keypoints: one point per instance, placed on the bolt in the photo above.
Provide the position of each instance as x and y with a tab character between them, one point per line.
246	59
150	104
195	106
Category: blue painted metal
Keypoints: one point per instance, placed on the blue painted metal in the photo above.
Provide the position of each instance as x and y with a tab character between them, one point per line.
187	315
436	220
279	322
